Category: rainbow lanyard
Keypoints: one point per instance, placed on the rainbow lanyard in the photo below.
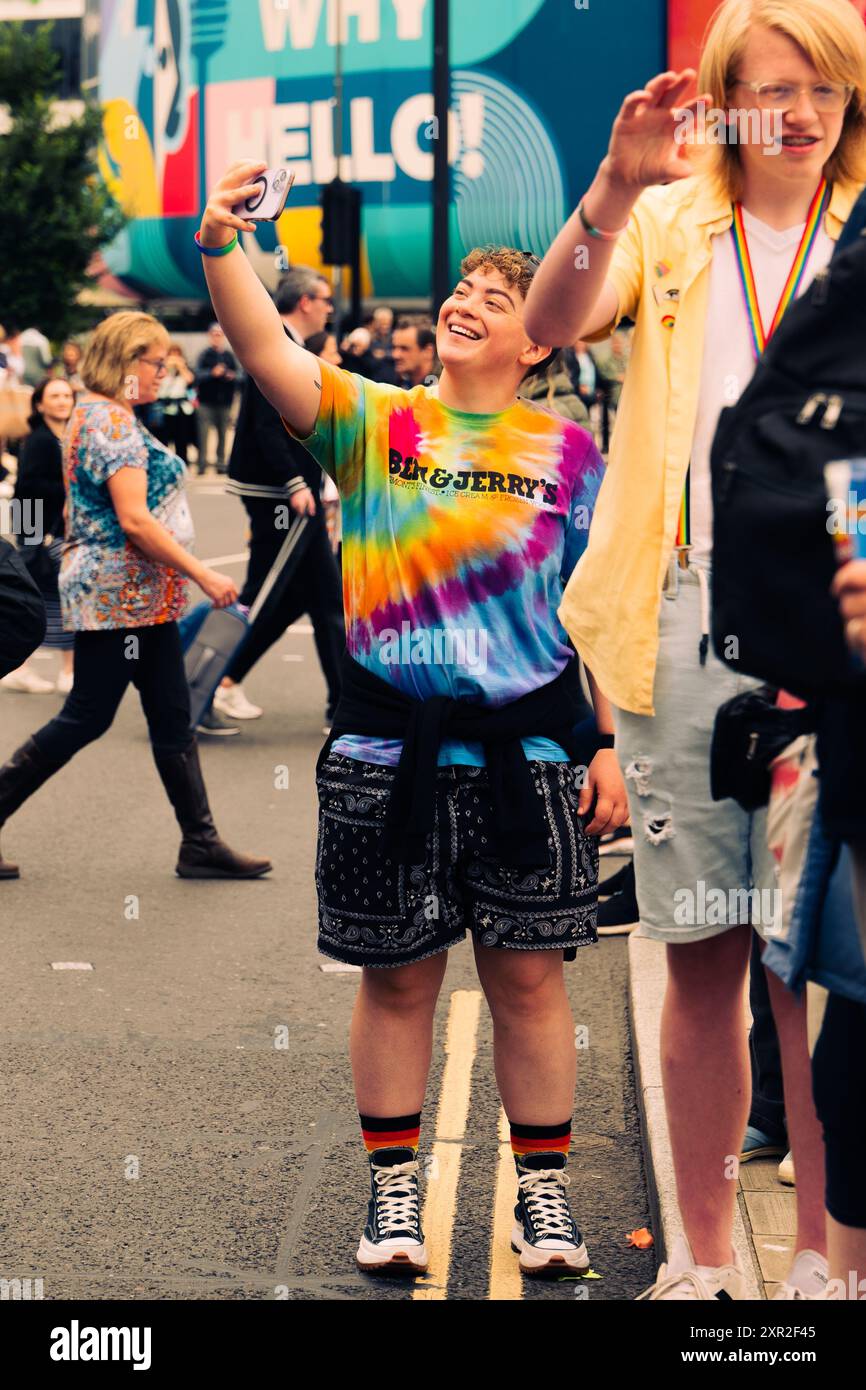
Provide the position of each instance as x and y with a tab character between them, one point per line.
753	311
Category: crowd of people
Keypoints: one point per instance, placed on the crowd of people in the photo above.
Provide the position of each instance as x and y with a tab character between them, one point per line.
514	635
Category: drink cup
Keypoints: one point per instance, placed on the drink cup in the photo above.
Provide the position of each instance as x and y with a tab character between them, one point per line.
845	480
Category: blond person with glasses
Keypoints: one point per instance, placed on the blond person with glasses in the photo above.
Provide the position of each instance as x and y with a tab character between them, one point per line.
704	249
123	585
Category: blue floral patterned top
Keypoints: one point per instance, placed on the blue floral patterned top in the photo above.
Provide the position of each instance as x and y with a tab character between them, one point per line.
106	582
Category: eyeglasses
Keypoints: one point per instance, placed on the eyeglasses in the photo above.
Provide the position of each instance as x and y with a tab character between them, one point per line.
323	299
531	256
826	97
158	362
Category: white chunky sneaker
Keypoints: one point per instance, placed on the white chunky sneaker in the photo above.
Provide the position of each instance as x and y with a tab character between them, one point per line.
393	1241
544	1233
681	1280
807	1278
231	701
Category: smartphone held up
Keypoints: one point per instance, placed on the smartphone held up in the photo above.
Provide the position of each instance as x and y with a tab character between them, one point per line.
269	199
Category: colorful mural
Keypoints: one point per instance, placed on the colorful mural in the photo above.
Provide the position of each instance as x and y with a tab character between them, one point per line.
188	86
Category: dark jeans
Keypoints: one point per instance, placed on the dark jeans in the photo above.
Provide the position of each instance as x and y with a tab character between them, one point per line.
768	1100
105	664
315	588
839	1087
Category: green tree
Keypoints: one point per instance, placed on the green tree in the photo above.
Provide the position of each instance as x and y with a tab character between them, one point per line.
56	211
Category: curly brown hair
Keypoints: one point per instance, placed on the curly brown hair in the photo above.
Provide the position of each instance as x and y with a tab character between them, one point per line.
517	268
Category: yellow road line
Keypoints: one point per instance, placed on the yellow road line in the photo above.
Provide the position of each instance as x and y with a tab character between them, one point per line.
440	1204
505	1278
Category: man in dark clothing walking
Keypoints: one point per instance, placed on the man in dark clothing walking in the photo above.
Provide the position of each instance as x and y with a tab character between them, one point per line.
277	479
216	381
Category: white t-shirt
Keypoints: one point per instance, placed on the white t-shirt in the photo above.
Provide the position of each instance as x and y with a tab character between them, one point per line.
729	360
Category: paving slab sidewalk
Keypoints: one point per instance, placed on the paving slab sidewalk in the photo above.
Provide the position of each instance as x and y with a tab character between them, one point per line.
765	1220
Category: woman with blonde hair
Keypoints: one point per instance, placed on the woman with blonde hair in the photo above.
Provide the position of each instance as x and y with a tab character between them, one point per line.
705	265
122	589
39	485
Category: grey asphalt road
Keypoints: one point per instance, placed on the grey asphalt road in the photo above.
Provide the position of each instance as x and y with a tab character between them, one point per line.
178	1121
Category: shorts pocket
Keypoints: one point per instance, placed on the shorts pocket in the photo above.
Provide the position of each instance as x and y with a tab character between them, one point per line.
353	874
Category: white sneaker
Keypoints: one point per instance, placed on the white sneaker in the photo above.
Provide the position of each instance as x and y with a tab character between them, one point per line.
64	683
807	1278
231	701
27	682
681	1279
786	1170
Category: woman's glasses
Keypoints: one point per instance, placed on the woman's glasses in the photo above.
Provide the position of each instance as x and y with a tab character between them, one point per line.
826	97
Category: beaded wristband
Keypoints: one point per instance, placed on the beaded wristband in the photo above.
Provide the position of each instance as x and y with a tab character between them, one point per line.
596	231
217	250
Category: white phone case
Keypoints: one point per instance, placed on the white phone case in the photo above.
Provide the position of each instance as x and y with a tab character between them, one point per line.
268	202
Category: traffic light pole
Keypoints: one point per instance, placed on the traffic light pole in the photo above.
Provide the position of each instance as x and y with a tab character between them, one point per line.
440	279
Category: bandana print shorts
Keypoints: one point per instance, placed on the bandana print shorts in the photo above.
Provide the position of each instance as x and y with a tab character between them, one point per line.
373	911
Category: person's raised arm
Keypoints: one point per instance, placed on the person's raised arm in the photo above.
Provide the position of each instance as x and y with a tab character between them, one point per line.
571	296
287	374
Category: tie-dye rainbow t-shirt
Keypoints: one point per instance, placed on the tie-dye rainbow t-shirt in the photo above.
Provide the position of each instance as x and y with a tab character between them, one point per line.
459	534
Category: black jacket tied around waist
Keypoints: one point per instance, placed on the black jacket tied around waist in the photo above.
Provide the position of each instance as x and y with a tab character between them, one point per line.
371	706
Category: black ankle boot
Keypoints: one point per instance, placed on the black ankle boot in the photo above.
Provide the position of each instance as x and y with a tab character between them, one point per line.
202	853
20	777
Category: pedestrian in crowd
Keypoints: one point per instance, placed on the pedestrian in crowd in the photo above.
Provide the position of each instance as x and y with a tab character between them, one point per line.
4	472
270	471
39	486
413	349
70	364
555	391
611	360
216	381
832	911
357	354
14	404
13	358
382	328
36	351
587	374
673	259
324	345
428	795
122	589
766	1133
177	400
22	614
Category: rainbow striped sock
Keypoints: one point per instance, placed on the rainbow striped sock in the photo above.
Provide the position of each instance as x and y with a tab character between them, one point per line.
390	1132
541	1139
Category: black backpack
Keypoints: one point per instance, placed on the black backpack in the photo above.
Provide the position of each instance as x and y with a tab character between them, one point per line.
22	611
773	558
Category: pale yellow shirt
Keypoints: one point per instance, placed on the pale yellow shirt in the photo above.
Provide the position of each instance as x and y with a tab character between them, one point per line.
661	271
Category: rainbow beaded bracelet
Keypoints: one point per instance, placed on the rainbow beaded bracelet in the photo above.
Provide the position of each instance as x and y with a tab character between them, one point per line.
216	250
